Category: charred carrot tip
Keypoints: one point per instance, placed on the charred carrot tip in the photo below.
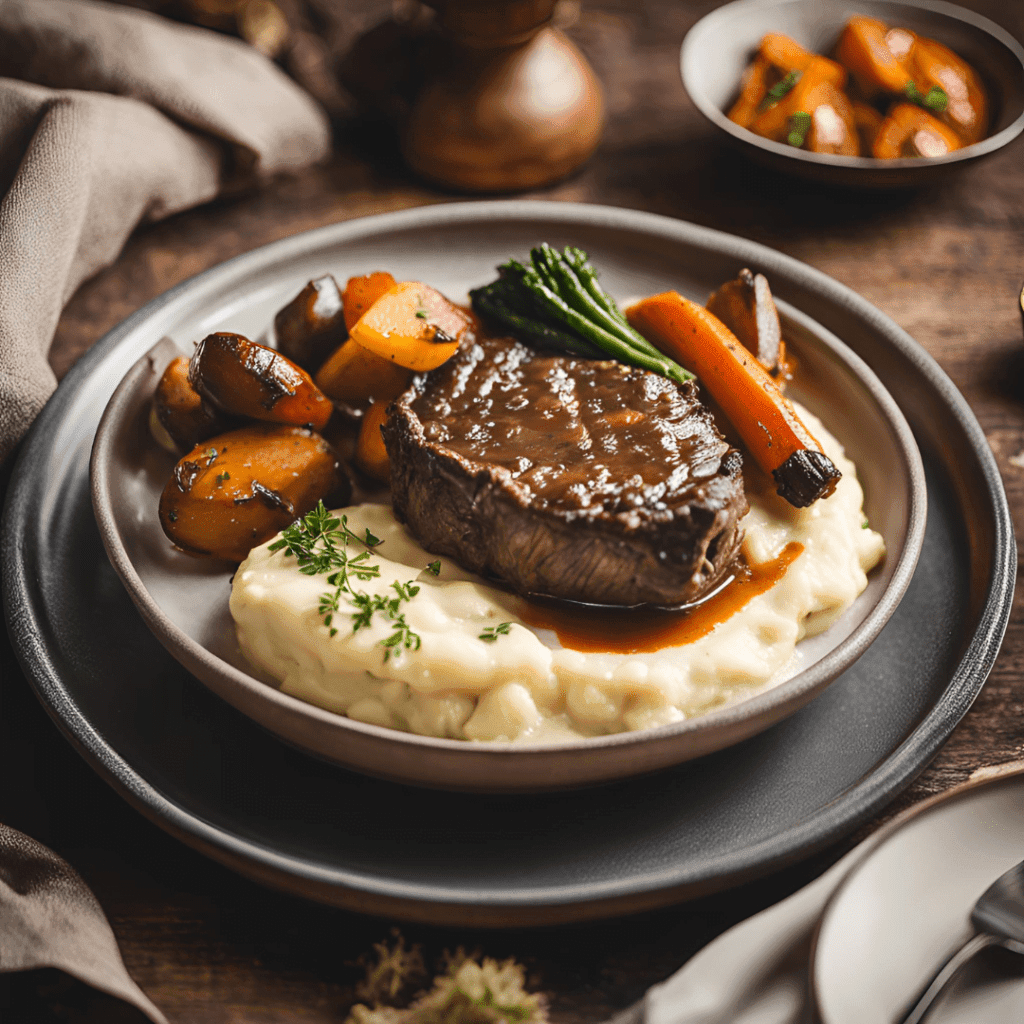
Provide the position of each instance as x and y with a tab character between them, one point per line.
753	402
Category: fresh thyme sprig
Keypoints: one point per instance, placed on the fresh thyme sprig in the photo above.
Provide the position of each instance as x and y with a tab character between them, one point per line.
491	633
319	543
935	99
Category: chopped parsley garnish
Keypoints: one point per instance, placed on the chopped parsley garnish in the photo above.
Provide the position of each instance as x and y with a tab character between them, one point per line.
778	90
221	477
799	126
319	543
491	633
935	99
435	567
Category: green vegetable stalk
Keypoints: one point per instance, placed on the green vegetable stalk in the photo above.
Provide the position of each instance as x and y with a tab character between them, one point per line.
557	301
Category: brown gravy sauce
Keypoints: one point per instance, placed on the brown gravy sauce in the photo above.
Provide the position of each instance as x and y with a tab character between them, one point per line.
623	631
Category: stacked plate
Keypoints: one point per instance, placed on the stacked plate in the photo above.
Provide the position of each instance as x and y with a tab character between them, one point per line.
136	668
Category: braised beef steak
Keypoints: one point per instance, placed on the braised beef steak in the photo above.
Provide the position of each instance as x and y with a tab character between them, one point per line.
580	479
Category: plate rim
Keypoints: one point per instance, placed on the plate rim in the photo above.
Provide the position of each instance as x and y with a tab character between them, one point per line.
1007	773
858	803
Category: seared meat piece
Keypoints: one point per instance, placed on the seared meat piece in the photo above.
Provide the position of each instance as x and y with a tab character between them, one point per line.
581	479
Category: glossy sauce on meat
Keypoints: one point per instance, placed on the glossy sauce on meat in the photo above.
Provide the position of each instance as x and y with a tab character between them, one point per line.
621	631
562	431
584	480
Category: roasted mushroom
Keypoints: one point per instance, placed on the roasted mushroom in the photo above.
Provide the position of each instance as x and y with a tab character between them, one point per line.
181	412
312	325
247	379
236	490
747	308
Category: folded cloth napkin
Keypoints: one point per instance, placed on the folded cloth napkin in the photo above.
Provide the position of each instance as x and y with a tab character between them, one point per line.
758	972
755	973
112	116
50	918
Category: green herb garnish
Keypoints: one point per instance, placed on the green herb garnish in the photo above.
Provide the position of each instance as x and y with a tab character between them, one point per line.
491	633
319	543
435	567
221	477
557	301
778	90
799	126
935	99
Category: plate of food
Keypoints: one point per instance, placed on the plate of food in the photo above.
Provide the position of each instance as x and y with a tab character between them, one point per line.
224	782
531	558
886	93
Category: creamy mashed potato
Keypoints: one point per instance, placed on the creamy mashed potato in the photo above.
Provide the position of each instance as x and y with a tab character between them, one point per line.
524	686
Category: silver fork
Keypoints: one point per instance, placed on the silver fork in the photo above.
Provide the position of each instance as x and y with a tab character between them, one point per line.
998	918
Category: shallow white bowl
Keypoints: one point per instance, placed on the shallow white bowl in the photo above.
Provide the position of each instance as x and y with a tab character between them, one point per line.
717	50
184	601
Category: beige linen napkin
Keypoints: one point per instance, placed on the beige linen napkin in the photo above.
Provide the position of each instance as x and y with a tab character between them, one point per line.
111	116
755	973
49	918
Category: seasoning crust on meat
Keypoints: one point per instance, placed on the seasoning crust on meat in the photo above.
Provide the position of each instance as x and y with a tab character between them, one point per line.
586	480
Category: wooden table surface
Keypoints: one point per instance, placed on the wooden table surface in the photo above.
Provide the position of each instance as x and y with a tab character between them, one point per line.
209	946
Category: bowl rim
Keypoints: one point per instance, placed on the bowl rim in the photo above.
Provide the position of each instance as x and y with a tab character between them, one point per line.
782	698
717	117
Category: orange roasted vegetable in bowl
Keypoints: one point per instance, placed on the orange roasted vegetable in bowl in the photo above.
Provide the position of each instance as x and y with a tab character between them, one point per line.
910	131
758	71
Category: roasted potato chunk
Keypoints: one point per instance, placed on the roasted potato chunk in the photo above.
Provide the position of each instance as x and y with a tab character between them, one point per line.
371	455
312	325
412	325
236	490
355	376
181	411
241	377
362	292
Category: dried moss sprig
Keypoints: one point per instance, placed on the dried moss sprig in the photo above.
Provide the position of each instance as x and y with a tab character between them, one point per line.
469	990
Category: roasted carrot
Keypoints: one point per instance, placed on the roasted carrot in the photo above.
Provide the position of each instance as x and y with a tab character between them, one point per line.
761	414
788	55
863	50
412	325
371	455
776	122
753	90
362	292
965	105
356	376
868	121
833	125
910	131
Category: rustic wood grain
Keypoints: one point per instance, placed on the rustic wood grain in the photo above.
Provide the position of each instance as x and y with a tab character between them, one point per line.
945	263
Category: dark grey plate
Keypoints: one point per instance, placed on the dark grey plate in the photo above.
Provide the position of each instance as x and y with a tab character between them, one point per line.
210	776
720	46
